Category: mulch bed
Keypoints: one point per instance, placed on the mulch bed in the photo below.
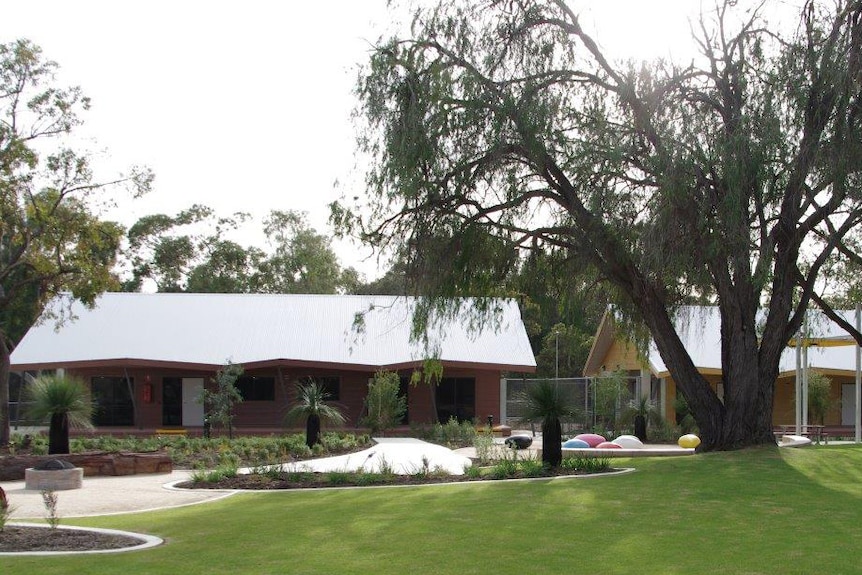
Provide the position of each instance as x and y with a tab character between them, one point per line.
18	539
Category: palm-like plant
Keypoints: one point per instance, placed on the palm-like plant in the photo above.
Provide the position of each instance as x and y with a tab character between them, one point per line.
546	403
641	412
63	400
312	407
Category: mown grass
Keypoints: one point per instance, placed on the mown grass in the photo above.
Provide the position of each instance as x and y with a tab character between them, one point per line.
757	511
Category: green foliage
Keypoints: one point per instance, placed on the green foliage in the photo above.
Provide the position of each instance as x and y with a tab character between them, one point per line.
192	452
64	402
494	131
587	464
819	396
6	510
225	471
571	344
610	396
51	240
453	434
384	406
301	260
50	499
483	443
311	406
219	404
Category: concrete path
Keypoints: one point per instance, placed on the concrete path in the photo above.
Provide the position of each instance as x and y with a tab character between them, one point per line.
109	495
135	493
403	455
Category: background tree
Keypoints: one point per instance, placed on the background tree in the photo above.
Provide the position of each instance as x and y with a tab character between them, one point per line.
733	179
63	401
165	249
51	241
311	406
819	396
219	403
301	260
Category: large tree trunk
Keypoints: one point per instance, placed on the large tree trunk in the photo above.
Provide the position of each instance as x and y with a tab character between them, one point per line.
4	391
745	417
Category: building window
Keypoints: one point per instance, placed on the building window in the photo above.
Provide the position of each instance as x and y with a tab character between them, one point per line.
331	385
256	388
456	398
112	399
17	398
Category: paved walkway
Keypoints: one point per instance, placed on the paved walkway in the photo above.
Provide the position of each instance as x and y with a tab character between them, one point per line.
109	495
402	455
134	493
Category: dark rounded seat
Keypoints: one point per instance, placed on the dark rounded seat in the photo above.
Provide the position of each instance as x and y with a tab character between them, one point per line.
519	441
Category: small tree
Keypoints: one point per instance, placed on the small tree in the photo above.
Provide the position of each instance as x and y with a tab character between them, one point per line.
819	396
312	407
609	394
384	405
219	404
546	403
65	401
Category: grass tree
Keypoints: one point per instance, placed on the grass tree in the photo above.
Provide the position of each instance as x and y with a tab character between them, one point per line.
547	404
65	401
312	407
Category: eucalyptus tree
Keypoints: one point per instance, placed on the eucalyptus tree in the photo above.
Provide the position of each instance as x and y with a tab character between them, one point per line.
734	178
51	239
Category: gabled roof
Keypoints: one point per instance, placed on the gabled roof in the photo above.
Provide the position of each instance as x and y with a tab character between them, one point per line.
699	328
207	330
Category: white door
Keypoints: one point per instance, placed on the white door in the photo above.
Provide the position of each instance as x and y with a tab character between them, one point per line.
193	409
848	404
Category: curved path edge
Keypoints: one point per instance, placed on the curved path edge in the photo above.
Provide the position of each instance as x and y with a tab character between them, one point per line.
146	541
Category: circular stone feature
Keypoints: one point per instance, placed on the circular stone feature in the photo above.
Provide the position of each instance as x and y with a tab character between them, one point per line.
608	445
53	479
53	464
591	439
576	444
519	441
689	441
629	442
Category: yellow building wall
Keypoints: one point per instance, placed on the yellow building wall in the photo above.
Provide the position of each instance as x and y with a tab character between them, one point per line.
785	399
622	355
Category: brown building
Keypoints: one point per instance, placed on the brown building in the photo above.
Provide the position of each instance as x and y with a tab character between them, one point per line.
147	356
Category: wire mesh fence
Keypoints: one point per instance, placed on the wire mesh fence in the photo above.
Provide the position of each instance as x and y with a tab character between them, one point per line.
597	402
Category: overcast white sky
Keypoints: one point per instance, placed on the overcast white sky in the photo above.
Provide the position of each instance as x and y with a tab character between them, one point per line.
246	105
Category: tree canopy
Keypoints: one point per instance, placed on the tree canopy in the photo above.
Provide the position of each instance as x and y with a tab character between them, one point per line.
189	252
51	240
499	128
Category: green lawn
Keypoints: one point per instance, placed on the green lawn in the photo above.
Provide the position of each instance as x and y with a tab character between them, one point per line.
760	511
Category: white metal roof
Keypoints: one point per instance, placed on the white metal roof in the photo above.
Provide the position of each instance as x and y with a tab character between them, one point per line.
699	328
211	329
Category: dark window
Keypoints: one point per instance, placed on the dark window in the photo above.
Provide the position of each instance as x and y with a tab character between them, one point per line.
331	385
456	398
18	398
112	399
256	388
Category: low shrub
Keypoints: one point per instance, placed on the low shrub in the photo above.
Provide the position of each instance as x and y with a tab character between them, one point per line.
586	464
451	434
